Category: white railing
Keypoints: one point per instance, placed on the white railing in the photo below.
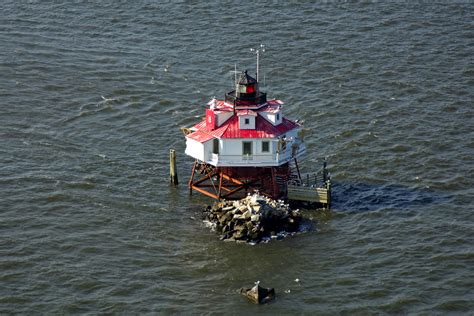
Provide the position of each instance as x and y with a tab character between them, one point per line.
259	159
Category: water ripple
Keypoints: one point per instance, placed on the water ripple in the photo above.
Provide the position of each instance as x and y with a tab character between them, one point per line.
94	95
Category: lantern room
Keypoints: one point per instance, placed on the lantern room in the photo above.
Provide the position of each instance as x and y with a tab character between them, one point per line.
246	93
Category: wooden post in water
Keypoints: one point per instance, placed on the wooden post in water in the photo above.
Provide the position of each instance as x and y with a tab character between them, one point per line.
324	171
173	174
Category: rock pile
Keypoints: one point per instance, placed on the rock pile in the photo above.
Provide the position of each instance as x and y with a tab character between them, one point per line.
254	218
258	294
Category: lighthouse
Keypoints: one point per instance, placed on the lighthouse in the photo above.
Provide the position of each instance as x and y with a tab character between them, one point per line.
244	143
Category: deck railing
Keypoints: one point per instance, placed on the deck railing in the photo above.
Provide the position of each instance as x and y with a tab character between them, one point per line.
318	179
313	187
255	158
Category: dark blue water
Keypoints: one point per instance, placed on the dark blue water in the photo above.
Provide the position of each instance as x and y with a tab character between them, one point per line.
92	96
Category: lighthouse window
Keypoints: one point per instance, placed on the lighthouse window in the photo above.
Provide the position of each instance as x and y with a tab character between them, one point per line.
247	121
265	146
278	116
215	146
247	148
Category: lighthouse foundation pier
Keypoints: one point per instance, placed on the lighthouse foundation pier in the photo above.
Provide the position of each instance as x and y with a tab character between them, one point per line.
284	182
235	182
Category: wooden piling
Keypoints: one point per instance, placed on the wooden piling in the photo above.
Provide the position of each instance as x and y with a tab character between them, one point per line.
325	172
173	174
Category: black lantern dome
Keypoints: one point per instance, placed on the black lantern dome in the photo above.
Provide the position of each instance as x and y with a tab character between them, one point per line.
246	92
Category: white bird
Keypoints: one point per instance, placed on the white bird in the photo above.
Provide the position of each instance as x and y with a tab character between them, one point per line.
105	99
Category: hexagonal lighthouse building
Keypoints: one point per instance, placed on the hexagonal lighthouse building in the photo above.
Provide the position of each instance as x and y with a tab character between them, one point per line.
245	143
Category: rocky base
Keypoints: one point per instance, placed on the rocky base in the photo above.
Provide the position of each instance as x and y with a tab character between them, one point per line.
253	219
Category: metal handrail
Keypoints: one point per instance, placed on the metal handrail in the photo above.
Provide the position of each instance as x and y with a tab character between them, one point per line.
285	154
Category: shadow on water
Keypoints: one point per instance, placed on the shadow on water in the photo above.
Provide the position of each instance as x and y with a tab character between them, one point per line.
364	197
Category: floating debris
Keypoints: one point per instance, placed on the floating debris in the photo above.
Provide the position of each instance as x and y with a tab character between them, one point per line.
258	294
252	219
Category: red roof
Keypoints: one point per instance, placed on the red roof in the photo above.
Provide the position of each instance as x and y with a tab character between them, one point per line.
263	129
271	108
201	137
221	105
230	129
275	102
246	112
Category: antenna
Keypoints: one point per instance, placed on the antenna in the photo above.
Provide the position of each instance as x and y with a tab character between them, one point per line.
235	75
257	51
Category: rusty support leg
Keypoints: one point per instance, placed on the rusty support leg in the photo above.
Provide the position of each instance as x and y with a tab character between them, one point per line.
274	184
234	191
209	194
298	169
232	179
190	183
220	184
206	177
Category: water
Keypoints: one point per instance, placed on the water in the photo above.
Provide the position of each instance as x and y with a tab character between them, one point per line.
93	95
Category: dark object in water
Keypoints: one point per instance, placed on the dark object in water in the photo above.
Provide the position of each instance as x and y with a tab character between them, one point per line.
258	294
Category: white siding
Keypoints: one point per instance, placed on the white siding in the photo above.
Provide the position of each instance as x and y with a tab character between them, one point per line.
232	147
194	149
274	118
208	150
231	151
236	146
222	117
271	144
251	122
278	118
